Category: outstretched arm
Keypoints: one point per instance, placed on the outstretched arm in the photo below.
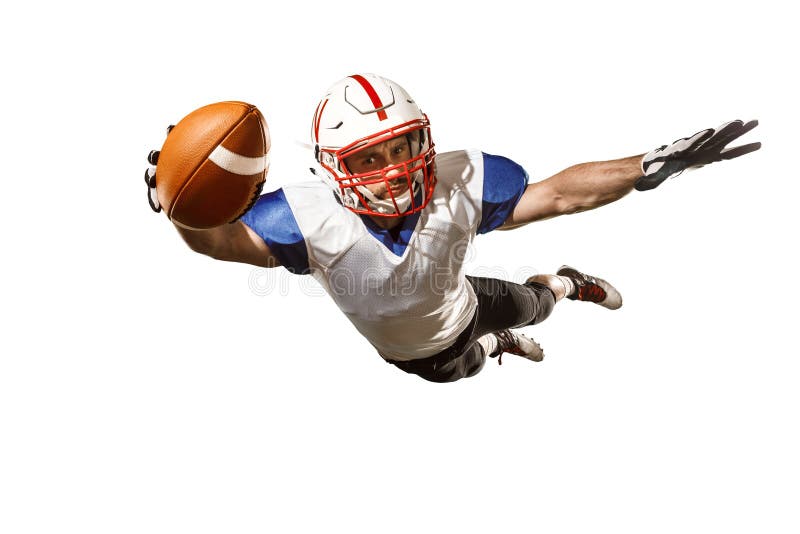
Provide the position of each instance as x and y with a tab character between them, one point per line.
590	185
230	242
578	188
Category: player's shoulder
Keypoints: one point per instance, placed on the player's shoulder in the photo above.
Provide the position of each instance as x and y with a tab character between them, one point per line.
309	193
477	162
504	183
288	217
287	206
458	159
495	164
297	197
459	169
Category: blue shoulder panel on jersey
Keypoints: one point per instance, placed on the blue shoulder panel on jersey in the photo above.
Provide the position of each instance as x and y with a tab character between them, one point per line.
272	219
503	184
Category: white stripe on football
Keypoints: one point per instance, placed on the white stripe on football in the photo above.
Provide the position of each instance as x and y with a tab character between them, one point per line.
238	164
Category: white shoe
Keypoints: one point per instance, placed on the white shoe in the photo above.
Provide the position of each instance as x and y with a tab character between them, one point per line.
592	289
515	343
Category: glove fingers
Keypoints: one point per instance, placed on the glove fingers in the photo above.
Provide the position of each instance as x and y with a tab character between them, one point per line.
749	125
730	131
152	198
690	144
150	176
737	151
724	134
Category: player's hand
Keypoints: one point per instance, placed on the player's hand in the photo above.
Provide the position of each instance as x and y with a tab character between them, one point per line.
706	146
150	177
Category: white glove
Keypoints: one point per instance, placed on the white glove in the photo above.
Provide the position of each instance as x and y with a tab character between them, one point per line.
706	146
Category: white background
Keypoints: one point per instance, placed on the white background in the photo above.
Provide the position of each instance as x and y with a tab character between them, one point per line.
144	388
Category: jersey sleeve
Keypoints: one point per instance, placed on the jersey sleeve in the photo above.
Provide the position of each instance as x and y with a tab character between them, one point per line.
504	181
272	219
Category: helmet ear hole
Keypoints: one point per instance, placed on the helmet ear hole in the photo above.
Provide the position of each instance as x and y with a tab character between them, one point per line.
326	158
316	152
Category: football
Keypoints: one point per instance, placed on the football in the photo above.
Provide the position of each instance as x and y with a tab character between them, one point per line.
213	165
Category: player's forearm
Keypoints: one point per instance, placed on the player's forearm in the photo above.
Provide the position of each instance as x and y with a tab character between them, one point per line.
579	188
590	185
208	242
230	242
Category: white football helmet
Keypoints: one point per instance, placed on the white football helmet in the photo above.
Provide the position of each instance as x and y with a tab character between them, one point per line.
356	115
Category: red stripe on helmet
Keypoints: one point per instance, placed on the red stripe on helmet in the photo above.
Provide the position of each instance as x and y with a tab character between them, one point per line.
317	120
373	95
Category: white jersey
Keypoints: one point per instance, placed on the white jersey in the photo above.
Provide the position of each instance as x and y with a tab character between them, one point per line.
407	293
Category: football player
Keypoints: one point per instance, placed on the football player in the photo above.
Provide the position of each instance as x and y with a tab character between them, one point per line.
385	226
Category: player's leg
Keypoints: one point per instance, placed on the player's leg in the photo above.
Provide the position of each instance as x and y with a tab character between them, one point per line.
469	361
461	359
503	305
466	364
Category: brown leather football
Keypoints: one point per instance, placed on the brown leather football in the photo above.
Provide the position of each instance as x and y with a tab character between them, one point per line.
213	165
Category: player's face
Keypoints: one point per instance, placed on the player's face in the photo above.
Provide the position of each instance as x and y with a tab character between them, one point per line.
377	158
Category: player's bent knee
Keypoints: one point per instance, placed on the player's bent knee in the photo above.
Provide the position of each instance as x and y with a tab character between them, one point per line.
545	301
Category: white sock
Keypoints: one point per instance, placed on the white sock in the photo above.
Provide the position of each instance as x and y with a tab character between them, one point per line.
569	285
488	343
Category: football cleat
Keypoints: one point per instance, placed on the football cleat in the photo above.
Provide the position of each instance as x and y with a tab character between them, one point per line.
514	343
591	289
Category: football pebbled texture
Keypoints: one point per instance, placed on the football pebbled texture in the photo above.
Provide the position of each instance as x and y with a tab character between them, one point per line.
213	165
